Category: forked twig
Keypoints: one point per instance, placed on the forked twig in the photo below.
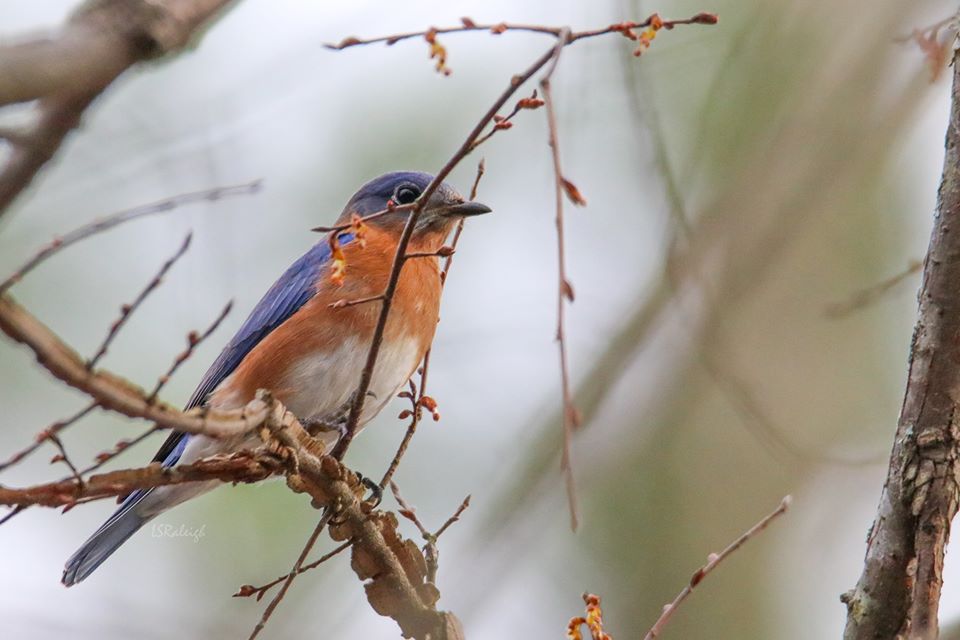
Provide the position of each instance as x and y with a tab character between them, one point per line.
247	590
294	572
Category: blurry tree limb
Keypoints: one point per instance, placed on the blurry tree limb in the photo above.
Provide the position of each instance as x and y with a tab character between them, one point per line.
898	592
865	297
64	74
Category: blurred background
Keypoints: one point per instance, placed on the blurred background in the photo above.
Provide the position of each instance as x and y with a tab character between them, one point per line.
743	181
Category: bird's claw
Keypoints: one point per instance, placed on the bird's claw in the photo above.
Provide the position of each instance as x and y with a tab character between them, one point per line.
376	493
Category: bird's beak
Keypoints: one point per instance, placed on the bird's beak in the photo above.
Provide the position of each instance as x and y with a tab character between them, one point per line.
465	209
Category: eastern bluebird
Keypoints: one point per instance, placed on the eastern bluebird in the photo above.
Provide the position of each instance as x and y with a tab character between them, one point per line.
308	353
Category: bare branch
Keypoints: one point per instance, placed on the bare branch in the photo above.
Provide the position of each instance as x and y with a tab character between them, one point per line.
194	340
503	27
713	560
289	578
53	430
866	297
571	417
103	224
430	550
898	593
248	590
127	309
113	392
67	73
238	467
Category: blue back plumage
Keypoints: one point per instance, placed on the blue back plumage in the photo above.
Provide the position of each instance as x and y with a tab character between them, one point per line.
287	295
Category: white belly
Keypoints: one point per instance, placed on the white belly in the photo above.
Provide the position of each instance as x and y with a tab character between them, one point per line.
319	385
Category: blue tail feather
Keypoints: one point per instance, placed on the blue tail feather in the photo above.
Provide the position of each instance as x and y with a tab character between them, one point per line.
105	540
115	531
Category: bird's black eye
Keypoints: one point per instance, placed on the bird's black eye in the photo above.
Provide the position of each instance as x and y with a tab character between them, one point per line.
407	194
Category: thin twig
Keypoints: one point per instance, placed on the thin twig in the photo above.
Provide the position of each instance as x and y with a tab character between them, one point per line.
128	309
502	123
454	518
64	457
118	448
44	435
442	252
712	561
430	551
417	397
415	413
868	296
339	228
398	261
288	580
502	27
248	590
193	341
564	291
342	303
98	226
10	515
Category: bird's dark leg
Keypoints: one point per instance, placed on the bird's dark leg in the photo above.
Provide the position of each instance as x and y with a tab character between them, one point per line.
337	421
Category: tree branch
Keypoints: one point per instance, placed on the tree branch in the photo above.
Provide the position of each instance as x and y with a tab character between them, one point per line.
113	392
65	74
898	592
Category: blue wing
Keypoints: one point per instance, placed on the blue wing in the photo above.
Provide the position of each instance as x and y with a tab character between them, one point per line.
294	288
287	295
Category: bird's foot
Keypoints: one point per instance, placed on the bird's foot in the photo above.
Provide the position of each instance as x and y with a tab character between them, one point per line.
376	493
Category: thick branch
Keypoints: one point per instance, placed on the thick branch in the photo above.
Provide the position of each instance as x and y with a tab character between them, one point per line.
113	392
898	593
66	73
240	467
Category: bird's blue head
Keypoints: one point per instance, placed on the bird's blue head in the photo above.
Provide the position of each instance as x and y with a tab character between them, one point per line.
440	212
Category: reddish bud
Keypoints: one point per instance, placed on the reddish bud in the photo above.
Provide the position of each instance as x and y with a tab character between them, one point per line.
573	193
245	591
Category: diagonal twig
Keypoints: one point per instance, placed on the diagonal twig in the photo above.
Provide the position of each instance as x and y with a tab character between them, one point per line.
53	430
247	590
713	560
128	309
294	572
98	226
194	340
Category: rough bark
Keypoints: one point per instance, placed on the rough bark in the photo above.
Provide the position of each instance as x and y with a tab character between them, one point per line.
898	593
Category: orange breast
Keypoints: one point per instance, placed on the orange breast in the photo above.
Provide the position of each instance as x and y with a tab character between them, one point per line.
313	362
